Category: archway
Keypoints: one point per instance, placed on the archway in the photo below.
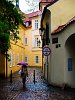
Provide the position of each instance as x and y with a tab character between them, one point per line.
70	59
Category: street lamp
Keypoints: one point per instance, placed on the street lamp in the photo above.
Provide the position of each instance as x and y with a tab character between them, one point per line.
41	32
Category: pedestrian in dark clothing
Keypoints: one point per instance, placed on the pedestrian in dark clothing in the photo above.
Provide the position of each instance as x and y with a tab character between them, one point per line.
24	74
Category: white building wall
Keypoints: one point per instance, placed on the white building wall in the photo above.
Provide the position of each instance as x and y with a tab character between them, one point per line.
61	12
69	75
35	32
59	60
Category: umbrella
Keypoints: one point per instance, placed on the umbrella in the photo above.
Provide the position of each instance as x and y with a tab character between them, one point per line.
23	63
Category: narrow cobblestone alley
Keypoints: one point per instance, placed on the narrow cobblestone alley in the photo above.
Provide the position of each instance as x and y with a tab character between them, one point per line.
38	91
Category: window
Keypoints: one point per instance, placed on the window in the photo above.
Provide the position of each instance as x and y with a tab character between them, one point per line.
27	24
23	37
54	40
37	59
26	41
70	64
26	59
36	44
11	59
36	24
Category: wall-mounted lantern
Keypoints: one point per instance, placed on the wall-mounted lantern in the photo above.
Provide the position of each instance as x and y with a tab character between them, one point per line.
41	32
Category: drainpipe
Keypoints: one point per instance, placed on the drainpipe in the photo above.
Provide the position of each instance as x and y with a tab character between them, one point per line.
43	15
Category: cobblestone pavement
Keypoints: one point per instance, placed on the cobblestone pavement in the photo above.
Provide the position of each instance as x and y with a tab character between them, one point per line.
38	91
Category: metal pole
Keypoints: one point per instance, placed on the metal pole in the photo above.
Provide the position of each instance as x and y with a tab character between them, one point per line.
42	60
47	68
11	77
34	77
44	70
42	54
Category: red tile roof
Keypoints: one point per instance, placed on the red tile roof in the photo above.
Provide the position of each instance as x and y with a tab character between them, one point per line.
46	3
60	28
47	0
31	15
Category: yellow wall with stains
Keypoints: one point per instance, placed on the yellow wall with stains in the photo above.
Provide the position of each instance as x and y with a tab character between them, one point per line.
18	51
29	52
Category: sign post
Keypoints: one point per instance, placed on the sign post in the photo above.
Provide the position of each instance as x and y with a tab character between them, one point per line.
46	52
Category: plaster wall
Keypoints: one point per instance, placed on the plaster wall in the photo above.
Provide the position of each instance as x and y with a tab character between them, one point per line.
17	50
30	50
69	78
61	12
59	60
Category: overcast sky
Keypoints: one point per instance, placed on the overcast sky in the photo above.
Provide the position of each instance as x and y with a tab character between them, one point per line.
23	6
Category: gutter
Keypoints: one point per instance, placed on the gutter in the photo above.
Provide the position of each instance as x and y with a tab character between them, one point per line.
52	3
43	15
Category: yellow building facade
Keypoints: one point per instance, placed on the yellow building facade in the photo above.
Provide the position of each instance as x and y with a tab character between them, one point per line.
17	52
26	49
33	53
16	55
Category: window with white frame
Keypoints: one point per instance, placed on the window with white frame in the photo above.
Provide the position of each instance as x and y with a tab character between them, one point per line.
11	60
27	24
37	59
26	59
36	41
26	41
36	24
23	37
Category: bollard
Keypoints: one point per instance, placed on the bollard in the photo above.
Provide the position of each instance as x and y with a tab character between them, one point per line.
11	77
34	77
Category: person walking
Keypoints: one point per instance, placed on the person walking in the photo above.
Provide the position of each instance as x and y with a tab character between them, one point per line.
24	74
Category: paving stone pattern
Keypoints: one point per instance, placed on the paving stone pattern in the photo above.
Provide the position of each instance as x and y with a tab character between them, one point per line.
41	90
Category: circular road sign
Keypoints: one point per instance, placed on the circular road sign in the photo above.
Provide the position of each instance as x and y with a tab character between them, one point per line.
46	51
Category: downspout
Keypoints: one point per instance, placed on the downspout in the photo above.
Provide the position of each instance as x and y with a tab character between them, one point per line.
43	15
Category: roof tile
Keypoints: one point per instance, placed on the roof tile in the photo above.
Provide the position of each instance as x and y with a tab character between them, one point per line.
60	28
46	0
30	15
